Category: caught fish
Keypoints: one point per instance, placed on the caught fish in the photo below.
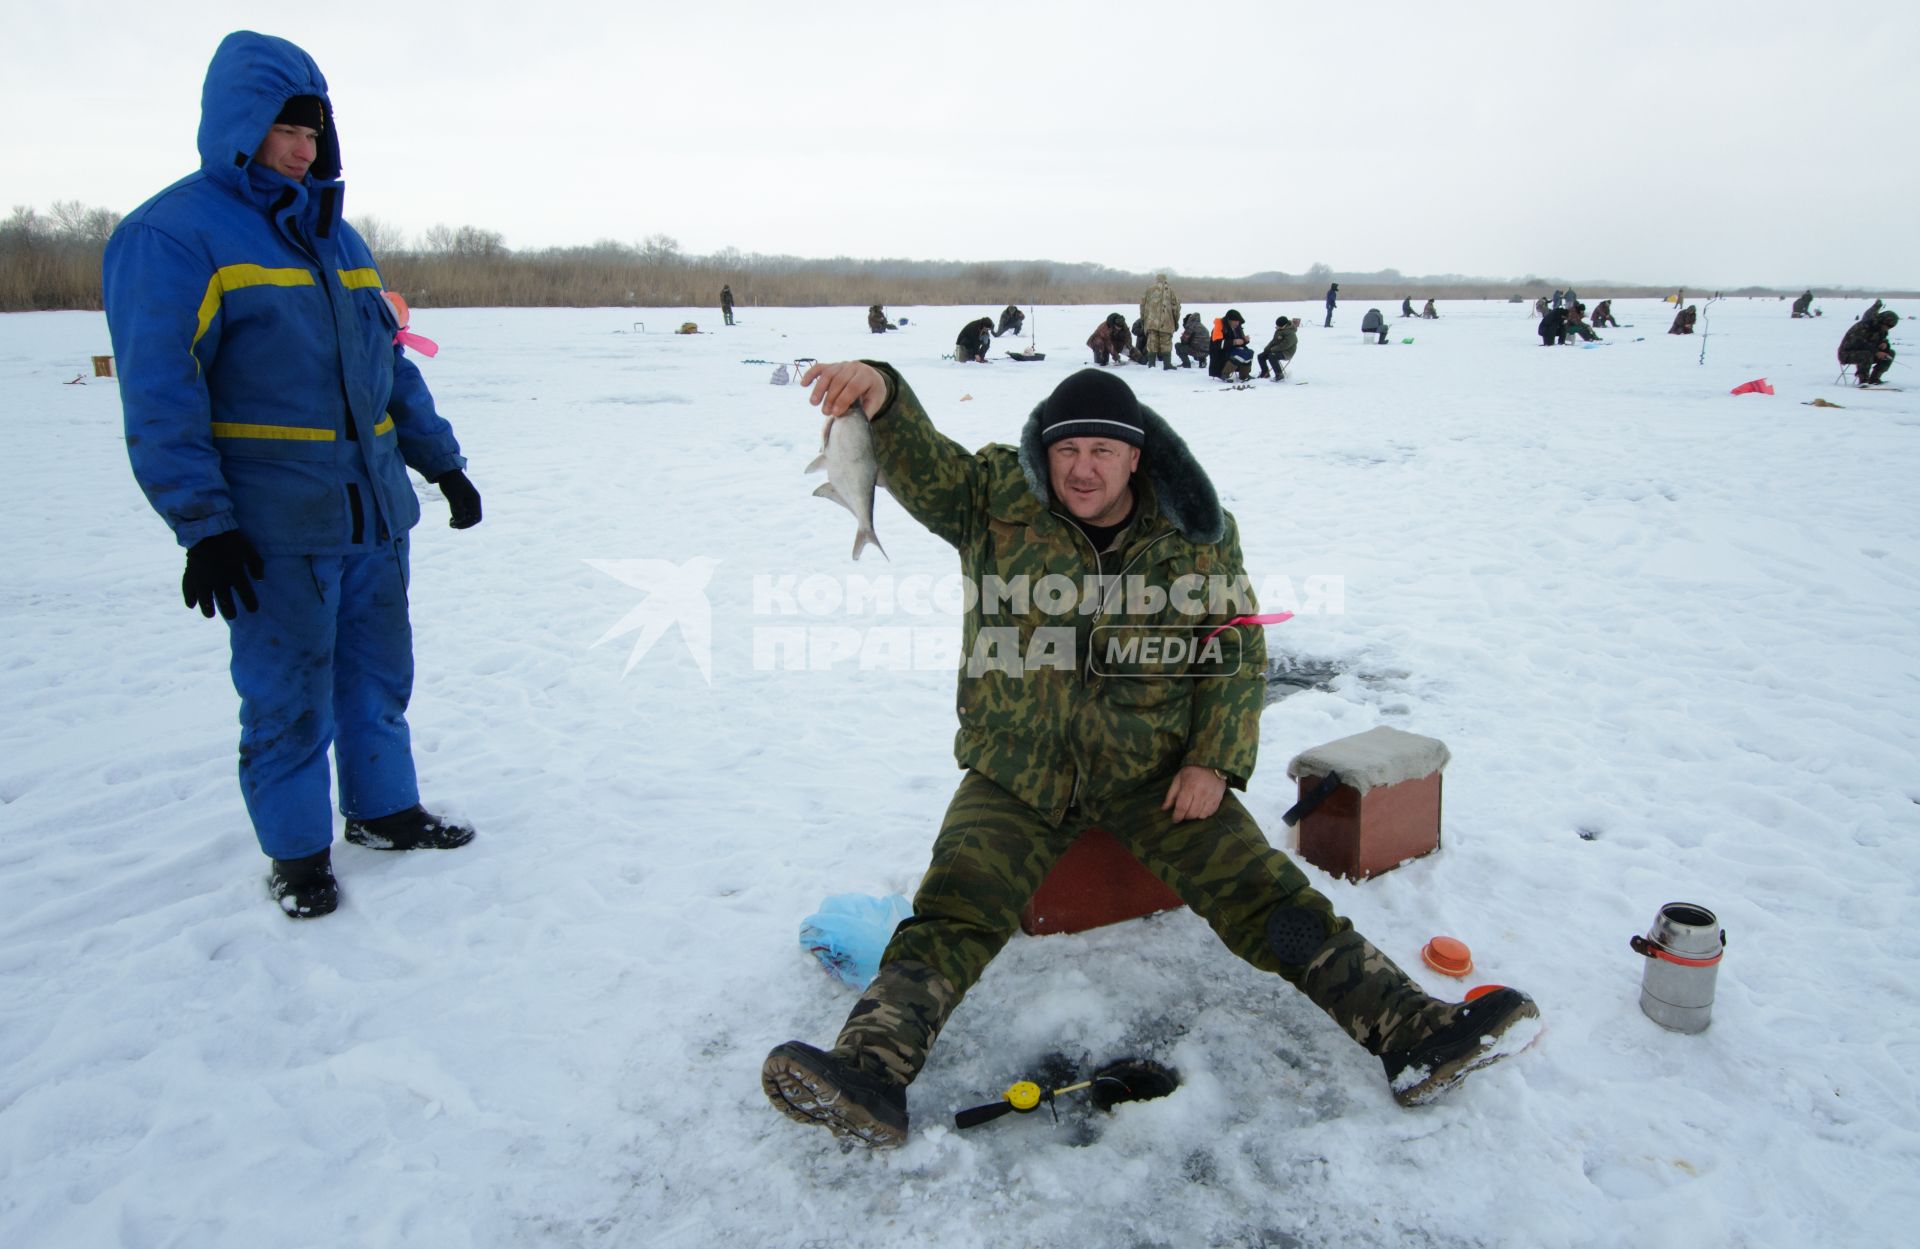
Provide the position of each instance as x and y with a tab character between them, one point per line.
846	452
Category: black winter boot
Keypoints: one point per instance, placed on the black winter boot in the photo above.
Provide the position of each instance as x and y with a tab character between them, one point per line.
812	1086
416	828
304	888
1473	1035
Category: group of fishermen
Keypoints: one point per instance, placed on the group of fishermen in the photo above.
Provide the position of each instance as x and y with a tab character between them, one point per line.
1563	316
1162	331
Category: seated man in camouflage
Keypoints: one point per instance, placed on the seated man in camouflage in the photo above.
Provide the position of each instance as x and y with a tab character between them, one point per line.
1103	493
1281	347
1865	347
1193	342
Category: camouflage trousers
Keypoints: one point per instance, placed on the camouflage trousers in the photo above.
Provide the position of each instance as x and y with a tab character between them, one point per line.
1866	365
991	855
1159	343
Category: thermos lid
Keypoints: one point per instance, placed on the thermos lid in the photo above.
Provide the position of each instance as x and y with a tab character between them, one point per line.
1448	955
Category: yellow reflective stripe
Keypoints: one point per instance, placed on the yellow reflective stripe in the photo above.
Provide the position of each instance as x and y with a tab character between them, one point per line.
233	278
285	433
386	423
356	279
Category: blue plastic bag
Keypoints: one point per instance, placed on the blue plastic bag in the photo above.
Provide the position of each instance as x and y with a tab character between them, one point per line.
850	931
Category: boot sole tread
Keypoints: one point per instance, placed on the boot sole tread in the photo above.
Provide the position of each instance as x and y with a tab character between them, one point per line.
802	1095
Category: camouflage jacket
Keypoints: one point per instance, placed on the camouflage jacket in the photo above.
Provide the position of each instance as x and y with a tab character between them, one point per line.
1861	336
1160	309
1285	341
1041	714
1194	333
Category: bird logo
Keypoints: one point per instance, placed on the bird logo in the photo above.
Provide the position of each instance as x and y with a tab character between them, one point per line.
676	594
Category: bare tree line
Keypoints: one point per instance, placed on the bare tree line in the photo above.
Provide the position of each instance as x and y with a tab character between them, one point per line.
53	262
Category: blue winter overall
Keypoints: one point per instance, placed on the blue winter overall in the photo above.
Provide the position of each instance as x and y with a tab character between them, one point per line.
263	391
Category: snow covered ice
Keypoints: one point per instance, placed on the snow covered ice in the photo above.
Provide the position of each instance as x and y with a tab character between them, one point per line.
1667	633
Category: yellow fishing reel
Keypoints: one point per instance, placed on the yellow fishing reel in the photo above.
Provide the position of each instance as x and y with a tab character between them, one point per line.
1024	1095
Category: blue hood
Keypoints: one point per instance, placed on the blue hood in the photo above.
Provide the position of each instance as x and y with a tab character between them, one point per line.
249	79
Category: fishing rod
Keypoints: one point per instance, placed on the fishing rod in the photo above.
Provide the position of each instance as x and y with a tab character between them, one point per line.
1129	1080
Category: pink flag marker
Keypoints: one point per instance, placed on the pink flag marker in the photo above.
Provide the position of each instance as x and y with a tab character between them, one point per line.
403	337
1279	617
425	346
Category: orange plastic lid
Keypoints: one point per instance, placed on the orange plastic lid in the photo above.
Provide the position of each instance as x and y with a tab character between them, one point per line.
399	307
1481	990
1448	956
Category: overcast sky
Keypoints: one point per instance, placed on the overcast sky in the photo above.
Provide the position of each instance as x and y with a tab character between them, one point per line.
1711	143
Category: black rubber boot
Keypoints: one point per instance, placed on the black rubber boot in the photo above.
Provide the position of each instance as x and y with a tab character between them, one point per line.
416	828
1475	1034
304	888
811	1086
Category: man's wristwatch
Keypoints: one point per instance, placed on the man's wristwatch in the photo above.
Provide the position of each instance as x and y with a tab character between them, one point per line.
1222	775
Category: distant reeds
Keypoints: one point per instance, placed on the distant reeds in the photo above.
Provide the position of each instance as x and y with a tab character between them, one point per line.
53	262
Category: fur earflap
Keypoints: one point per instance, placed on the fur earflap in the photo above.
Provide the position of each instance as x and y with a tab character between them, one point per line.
1180	485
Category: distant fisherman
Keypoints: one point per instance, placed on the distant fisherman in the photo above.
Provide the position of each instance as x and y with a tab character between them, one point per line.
970	345
1160	311
1281	347
1100	491
271	417
1865	347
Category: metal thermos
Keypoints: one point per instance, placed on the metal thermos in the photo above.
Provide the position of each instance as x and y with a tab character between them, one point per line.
1682	950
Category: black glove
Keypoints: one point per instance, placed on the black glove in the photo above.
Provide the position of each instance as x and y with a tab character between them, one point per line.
462	499
217	569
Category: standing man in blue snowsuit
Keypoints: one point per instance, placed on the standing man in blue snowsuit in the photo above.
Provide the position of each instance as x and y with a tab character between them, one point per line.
1333	297
270	419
